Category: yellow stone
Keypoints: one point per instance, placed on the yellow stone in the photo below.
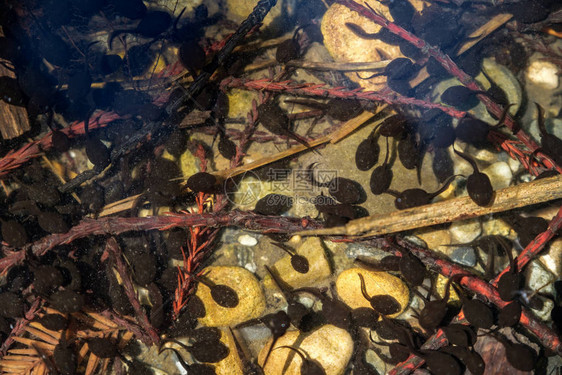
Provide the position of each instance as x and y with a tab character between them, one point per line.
440	285
345	46
245	284
348	286
231	365
330	346
240	10
312	250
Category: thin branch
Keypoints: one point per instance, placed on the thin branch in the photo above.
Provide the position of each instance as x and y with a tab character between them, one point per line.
537	191
118	225
112	247
322	91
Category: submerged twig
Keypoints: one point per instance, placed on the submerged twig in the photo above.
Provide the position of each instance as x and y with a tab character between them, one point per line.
526	194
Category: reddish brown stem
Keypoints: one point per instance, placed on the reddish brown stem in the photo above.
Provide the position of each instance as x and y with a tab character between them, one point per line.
118	225
112	247
535	246
320	90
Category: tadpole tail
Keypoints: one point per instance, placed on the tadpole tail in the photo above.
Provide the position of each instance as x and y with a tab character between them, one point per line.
312	180
468	159
114	34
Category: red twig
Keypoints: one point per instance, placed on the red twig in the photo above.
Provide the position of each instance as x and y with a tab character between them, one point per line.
112	247
320	90
535	246
14	159
197	248
118	225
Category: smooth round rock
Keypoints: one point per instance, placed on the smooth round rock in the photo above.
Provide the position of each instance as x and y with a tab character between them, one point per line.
543	74
345	46
465	231
319	268
232	363
250	295
330	346
348	286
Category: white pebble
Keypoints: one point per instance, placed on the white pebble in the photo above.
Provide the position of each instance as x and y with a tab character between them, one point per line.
500	174
247	240
465	231
544	74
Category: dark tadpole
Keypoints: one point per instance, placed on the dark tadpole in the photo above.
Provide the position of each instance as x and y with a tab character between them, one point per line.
381	178
478	184
433	312
509	315
308	365
192	56
274	119
299	262
460	335
367	153
152	24
478	314
475	132
343	189
416	197
273	204
551	144
203	182
227	148
288	50
412	268
511	281
14	233
520	356
222	294
103	347
383	304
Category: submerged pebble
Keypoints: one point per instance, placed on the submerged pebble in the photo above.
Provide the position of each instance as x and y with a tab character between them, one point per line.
250	295
329	346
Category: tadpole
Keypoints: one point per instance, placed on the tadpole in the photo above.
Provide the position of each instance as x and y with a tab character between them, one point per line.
308	365
478	184
520	356
367	153
381	178
299	262
274	119
478	314
551	144
222	294
383	304
433	312
343	189
203	182
416	197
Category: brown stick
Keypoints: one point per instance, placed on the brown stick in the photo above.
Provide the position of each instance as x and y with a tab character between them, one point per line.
527	194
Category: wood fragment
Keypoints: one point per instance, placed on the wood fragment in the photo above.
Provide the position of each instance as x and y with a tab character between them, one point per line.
339	66
13	119
534	192
483	31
